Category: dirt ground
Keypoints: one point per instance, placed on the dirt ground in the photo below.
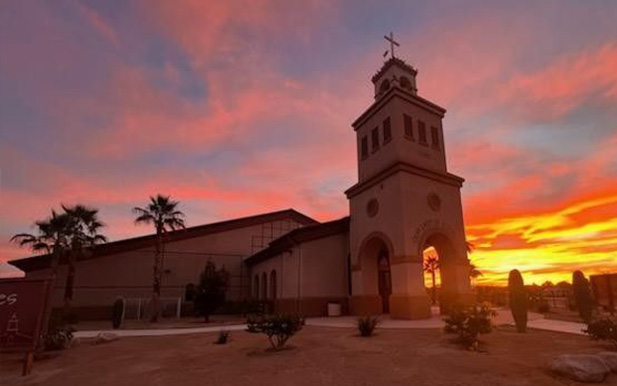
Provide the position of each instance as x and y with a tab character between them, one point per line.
318	356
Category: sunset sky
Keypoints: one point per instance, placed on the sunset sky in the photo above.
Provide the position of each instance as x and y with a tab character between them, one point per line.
241	107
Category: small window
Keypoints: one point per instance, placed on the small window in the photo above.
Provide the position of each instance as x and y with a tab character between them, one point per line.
408	124
435	138
387	130
422	133
375	139
364	147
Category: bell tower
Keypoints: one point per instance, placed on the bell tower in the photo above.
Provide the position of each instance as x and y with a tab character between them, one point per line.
405	200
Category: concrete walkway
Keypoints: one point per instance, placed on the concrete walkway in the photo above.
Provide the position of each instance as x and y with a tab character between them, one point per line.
504	317
557	326
161	331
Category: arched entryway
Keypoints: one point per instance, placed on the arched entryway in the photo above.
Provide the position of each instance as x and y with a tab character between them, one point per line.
384	280
449	265
372	283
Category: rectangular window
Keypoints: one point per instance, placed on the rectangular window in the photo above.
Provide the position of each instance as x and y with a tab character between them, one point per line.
364	147
375	139
408	124
435	138
387	130
422	133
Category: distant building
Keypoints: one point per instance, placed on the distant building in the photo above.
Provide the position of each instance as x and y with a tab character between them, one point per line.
371	262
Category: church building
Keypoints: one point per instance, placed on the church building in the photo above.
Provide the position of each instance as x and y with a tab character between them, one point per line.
370	262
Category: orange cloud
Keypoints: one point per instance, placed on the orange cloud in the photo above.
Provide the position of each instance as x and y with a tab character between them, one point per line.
549	245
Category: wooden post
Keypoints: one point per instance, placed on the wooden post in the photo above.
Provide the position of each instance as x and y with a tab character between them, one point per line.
28	361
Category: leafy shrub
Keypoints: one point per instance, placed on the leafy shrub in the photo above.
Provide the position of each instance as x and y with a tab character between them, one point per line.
223	337
518	300
468	322
278	327
602	329
367	324
59	330
582	295
58	338
117	315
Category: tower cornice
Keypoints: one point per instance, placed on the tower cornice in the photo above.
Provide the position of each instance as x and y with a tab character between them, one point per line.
403	167
396	92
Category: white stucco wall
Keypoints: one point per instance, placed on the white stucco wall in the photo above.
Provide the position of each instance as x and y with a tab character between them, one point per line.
316	268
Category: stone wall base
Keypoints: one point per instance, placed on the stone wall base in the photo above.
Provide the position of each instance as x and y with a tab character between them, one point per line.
310	306
363	305
410	307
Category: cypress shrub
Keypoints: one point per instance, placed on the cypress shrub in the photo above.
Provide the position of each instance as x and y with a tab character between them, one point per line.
117	316
518	300
582	295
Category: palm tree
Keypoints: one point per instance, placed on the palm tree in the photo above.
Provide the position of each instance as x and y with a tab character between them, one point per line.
161	212
469	246
431	265
51	238
83	233
474	272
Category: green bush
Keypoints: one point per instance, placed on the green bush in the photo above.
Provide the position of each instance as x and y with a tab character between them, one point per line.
602	329
117	314
278	327
468	322
58	337
59	330
223	337
582	295
518	300
367	324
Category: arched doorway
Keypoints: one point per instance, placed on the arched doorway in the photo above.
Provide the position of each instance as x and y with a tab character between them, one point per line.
384	280
273	285
264	286
449	284
372	280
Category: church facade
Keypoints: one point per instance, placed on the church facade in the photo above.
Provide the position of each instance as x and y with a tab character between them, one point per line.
370	262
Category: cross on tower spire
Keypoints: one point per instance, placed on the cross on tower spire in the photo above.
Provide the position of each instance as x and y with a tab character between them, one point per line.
393	43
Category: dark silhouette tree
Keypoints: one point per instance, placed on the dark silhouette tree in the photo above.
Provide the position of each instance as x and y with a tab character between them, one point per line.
51	237
161	212
474	272
211	290
431	265
83	233
518	300
582	295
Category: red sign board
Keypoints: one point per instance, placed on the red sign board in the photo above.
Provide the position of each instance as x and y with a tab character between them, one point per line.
22	304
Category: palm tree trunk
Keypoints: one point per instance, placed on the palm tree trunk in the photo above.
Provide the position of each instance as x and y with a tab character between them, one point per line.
70	281
55	262
434	287
156	282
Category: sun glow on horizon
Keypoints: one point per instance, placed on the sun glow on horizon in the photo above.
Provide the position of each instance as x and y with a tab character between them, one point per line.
547	246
